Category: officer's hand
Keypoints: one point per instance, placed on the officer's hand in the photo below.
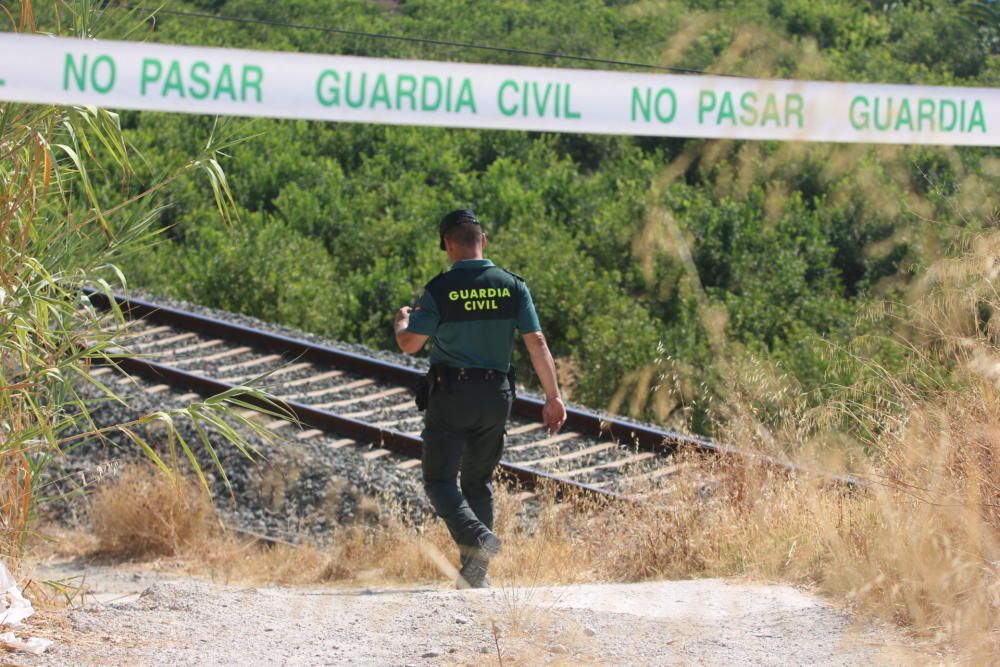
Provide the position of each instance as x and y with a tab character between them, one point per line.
403	314
554	414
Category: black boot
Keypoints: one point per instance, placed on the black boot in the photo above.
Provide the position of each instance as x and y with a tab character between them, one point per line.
475	562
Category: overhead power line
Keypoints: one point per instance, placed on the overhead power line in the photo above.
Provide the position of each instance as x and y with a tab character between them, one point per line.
426	40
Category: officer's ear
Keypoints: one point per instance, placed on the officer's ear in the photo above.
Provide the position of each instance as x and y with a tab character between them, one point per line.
484	239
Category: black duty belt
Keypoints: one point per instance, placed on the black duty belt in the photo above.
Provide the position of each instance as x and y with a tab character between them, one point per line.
445	374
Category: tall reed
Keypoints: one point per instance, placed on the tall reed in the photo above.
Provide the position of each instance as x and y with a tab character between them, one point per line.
64	222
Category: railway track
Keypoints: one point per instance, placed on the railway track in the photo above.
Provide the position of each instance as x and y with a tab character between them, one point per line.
365	401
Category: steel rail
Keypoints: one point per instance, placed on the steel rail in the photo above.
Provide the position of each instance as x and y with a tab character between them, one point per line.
386	438
585	422
663	441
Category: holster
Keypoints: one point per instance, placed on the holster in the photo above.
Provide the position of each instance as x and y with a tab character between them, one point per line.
422	390
511	377
434	378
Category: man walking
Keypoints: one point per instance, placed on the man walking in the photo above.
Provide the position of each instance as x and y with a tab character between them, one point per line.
472	312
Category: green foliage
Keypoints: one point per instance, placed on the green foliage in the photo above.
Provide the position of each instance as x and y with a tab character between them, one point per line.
771	275
336	221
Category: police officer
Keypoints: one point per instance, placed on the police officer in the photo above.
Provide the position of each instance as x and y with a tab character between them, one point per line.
472	312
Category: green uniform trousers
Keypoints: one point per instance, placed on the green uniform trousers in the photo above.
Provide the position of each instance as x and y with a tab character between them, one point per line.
464	431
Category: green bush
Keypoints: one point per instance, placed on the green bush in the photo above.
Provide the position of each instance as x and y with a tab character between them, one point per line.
791	242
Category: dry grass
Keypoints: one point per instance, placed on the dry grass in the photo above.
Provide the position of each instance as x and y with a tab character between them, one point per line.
914	549
147	513
919	548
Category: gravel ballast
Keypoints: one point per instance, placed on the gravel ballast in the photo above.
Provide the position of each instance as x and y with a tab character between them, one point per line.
293	490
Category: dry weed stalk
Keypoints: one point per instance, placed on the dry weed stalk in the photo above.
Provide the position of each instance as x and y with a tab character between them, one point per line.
15	499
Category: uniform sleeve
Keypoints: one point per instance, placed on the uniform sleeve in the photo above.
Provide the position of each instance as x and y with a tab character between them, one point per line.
527	318
424	318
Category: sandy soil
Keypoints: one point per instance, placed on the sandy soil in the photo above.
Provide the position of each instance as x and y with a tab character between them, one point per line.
140	617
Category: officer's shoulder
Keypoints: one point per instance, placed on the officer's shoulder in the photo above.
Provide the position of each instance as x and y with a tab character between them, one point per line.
436	279
516	277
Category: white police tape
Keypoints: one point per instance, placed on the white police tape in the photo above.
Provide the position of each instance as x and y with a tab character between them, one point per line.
203	80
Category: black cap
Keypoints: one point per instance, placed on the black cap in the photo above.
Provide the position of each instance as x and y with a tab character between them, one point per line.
462	216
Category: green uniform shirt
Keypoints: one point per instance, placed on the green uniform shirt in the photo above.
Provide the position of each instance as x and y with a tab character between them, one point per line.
472	312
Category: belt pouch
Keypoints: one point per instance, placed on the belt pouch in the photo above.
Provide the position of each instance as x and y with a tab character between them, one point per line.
439	377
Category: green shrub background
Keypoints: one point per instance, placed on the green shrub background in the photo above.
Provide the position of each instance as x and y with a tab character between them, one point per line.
791	243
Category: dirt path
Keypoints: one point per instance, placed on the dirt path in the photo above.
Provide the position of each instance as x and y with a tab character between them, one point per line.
145	618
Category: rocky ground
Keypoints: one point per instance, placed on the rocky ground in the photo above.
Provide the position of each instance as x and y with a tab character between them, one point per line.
139	617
